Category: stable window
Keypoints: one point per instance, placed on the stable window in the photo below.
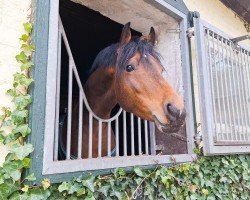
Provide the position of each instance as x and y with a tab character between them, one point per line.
77	32
224	90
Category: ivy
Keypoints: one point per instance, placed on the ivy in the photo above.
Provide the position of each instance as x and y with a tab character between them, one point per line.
14	127
218	177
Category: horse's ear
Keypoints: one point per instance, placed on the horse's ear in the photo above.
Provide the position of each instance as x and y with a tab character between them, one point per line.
152	36
126	34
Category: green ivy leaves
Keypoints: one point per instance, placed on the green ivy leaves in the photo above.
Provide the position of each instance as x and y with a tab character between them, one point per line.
21	151
16	122
206	178
221	177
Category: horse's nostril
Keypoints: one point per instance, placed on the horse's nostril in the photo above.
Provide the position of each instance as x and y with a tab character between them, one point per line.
172	112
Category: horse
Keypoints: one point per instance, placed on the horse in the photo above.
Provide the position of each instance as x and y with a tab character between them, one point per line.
128	73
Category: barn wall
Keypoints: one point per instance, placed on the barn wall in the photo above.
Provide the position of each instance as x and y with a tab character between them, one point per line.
13	13
217	14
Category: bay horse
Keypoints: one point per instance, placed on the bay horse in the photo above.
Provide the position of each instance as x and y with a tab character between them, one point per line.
128	73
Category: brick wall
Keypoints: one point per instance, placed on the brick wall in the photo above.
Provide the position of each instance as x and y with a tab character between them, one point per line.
13	13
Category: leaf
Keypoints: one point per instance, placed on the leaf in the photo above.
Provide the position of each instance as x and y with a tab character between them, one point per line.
8	188
120	171
89	197
104	190
22	101
28	47
89	183
64	187
38	194
27	27
24	38
11	92
74	188
22	57
80	191
11	137
6	111
21	151
2	136
26	163
209	183
139	172
26	81
19	116
26	66
30	177
15	175
205	192
46	183
22	79
23	129
12	169
25	188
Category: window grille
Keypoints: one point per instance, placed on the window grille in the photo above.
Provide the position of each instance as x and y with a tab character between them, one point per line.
224	82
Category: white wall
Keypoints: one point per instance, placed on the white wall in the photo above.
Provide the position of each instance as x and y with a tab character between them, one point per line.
13	13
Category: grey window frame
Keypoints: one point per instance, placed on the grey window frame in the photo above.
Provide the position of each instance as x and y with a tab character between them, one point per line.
42	111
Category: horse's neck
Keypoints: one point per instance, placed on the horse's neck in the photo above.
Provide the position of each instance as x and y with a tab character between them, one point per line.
99	90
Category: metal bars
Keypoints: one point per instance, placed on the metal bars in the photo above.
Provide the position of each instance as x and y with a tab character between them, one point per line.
100	134
224	83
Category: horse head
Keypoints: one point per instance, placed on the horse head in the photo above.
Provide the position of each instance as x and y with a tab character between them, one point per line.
139	85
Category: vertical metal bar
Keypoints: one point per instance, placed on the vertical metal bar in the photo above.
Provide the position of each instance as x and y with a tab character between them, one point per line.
68	146
211	76
79	153
234	66
244	99
225	93
217	88
99	138
230	101
243	91
56	142
132	134
221	86
124	133
240	99
139	135
90	135
109	139
146	135
231	82
117	136
152	138
248	93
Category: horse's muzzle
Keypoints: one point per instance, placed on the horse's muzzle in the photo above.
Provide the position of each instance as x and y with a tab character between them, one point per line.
176	121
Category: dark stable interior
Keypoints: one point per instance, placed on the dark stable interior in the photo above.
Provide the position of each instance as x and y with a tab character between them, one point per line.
88	32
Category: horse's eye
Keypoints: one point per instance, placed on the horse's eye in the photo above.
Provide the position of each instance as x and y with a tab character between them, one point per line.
130	68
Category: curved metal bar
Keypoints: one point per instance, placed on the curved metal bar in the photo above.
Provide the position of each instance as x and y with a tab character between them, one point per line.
79	81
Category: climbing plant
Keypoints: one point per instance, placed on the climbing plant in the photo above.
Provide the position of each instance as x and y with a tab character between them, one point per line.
220	177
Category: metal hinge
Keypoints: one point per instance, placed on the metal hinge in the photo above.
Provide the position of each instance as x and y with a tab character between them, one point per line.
190	32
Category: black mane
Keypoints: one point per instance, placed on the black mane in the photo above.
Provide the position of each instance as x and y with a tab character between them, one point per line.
108	56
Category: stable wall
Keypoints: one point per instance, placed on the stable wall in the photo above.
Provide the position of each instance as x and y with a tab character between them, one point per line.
13	13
